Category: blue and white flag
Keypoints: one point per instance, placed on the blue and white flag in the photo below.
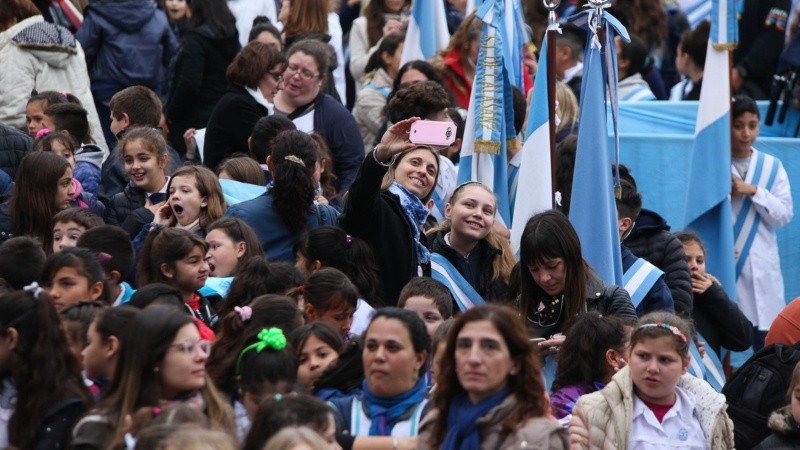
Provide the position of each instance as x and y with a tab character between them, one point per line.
696	10
472	5
427	31
534	170
516	38
489	127
724	26
708	206
593	209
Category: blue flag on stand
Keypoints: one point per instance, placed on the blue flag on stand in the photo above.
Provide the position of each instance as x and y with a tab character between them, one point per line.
593	209
534	169
427	31
489	127
708	206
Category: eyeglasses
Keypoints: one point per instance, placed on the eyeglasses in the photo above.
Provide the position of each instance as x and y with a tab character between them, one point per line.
304	73
277	76
190	347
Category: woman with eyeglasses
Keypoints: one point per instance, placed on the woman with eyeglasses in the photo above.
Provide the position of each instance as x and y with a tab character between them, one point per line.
254	77
304	102
161	361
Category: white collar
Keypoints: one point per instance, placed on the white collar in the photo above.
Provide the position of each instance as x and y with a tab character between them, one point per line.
259	97
570	73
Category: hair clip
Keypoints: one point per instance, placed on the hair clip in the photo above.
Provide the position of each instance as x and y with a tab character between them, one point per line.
156	411
66	95
277	397
104	257
34	289
267	338
675	330
301	289
348	240
294	159
43	132
245	312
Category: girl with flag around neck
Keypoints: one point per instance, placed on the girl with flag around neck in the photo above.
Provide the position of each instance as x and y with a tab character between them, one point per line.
467	255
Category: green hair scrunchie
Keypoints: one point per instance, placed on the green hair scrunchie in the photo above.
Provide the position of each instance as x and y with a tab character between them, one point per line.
267	338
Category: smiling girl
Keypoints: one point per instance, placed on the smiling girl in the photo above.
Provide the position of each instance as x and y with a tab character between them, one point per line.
177	257
468	256
653	400
144	155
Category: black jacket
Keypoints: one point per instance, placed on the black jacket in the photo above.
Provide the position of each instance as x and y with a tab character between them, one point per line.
127	210
651	240
377	218
114	179
483	284
14	145
230	125
56	428
720	321
198	80
761	36
785	432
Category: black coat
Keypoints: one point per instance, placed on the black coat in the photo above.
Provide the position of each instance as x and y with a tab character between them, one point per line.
14	145
198	80
377	217
651	240
785	432
113	178
230	126
720	321
489	290
127	210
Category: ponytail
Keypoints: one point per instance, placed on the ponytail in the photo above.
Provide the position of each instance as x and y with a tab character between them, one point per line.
294	157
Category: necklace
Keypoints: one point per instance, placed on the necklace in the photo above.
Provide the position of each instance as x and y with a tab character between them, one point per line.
548	313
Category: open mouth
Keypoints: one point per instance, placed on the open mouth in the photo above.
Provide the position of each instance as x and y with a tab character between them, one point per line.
177	208
211	267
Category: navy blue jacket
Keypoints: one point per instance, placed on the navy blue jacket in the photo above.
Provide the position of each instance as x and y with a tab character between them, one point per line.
127	43
14	145
658	298
276	239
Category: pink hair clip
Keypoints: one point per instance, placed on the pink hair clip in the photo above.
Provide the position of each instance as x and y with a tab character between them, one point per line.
43	132
245	312
104	257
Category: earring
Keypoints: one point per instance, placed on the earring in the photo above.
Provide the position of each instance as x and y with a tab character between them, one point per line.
155	369
513	373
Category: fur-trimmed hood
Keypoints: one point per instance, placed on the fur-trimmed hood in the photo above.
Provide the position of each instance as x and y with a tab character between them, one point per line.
781	421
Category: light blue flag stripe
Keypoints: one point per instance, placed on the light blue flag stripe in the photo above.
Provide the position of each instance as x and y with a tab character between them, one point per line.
724	26
593	210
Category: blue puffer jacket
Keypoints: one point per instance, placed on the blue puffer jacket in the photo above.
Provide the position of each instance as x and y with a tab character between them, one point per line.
127	42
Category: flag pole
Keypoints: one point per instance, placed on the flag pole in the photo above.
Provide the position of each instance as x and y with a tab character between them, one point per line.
552	30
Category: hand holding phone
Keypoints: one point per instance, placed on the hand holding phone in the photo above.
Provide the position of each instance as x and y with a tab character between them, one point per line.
433	132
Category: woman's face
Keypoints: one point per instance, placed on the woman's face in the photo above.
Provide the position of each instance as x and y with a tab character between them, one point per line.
302	80
483	361
394	6
425	309
64	190
34	117
695	257
656	368
265	37
190	273
391	366
97	355
314	358
223	254
144	168
183	367
185	200
176	10
286	9
472	213
550	275
412	76
68	287
271	83
417	172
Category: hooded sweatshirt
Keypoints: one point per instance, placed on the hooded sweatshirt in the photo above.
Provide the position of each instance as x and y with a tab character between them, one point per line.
127	43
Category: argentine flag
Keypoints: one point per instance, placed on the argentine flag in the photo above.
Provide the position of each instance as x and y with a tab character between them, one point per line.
708	206
593	209
427	31
489	127
534	170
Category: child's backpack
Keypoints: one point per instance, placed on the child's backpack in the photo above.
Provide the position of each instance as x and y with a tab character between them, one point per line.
757	389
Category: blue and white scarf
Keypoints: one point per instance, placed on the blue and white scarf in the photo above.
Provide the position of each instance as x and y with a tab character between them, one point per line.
416	213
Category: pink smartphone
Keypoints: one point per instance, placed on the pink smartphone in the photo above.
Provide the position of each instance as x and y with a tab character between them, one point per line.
433	132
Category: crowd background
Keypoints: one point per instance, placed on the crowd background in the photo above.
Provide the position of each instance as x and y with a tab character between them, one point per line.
216	234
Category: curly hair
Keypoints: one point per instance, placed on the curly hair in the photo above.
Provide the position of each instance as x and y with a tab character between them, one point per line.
527	384
294	157
424	99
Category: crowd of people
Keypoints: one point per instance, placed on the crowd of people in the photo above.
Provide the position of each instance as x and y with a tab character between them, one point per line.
216	234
